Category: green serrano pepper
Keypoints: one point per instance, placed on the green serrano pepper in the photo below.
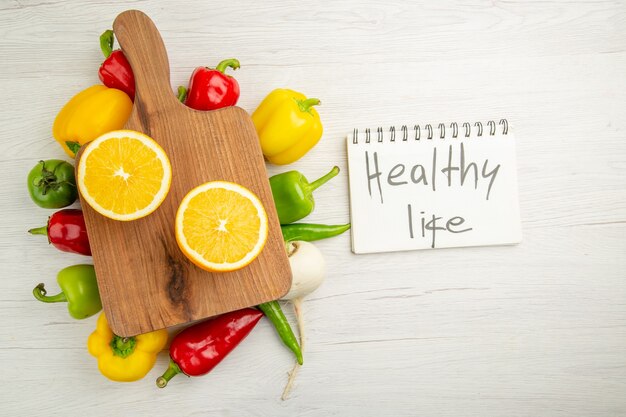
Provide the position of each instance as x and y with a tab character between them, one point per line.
310	232
275	314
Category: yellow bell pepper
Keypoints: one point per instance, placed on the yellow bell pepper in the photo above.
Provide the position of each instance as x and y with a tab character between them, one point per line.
288	126
89	114
124	359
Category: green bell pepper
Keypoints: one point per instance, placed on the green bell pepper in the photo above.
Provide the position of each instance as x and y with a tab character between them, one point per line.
293	194
51	184
78	288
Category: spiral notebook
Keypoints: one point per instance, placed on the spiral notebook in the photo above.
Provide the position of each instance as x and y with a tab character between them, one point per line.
433	186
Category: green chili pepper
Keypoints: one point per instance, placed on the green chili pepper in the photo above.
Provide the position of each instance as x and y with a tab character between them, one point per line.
51	184
293	194
275	314
310	232
78	288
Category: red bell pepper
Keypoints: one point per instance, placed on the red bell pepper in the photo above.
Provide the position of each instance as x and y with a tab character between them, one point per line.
198	349
115	71
66	231
211	89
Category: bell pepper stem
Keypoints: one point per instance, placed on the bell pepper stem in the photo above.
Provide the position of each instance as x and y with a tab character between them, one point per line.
123	346
43	230
171	372
49	180
231	62
305	105
182	94
73	146
40	293
321	181
106	43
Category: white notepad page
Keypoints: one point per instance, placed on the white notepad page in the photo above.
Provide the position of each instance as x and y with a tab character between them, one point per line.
433	186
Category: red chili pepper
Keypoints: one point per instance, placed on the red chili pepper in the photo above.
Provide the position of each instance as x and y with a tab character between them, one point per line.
115	71
198	349
66	230
211	89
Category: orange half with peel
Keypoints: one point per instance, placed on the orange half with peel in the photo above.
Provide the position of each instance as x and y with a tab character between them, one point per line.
124	175
221	226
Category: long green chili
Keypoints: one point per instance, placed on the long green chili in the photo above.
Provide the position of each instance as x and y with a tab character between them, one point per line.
274	313
310	232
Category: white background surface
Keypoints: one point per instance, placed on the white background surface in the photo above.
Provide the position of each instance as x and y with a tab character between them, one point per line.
533	330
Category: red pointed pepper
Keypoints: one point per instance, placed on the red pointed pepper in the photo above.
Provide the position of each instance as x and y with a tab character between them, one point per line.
115	71
66	231
211	89
198	349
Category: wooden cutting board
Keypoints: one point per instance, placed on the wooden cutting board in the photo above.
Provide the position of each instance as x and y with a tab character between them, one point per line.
145	281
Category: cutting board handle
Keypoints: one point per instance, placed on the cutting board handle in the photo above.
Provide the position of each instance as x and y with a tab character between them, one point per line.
142	44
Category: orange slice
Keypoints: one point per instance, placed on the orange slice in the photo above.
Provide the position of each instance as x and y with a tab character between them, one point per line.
124	175
221	226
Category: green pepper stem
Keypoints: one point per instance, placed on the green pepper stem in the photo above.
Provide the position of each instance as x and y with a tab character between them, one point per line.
123	346
106	43
49	180
171	372
43	230
182	94
40	293
73	146
305	105
231	62
321	181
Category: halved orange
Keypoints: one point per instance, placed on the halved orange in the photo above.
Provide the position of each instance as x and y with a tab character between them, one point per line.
221	226
124	175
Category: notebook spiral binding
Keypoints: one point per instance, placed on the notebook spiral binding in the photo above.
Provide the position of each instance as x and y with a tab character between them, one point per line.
428	132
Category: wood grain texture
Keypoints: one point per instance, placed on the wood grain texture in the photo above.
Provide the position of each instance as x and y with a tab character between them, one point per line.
146	282
534	330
